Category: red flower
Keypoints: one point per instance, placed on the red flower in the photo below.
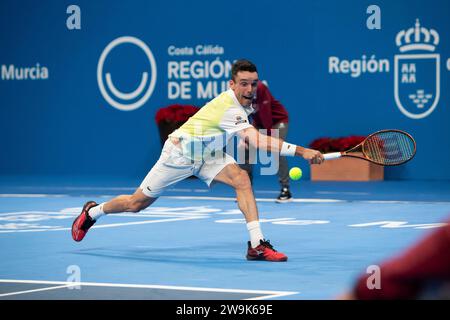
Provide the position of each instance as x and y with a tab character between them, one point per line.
321	144
326	145
175	113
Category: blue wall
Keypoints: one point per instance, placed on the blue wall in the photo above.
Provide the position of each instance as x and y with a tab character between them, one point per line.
64	125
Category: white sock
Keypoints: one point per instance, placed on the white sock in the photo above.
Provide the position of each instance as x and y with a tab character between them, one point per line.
255	233
96	212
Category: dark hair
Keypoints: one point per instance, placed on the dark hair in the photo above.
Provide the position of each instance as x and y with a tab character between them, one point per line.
242	65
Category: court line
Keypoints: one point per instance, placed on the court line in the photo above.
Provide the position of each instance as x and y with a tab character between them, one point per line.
35	290
112	225
309	200
401	202
31	212
11	195
73	214
352	193
295	200
264	294
257	199
32	195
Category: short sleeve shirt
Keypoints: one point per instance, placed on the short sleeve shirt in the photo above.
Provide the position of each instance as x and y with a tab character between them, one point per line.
216	122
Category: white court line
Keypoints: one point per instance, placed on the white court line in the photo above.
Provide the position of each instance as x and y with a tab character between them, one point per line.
98	188
266	297
112	225
296	200
309	200
4	195
35	290
154	212
32	212
267	191
257	199
265	294
77	188
401	202
344	192
31	195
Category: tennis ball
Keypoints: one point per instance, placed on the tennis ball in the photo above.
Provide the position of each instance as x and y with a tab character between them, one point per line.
295	173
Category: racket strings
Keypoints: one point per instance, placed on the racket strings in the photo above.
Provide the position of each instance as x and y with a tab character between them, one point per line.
389	147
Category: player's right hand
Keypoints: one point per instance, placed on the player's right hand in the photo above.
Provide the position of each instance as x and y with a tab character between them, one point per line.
313	156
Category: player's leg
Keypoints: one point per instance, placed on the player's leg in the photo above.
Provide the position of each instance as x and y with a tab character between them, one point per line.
246	158
283	169
170	168
92	211
248	167
230	173
127	203
238	178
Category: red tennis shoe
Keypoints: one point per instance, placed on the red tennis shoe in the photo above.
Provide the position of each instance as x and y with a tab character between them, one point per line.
265	251
83	222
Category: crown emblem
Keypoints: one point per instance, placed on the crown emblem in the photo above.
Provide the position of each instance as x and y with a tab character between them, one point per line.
417	38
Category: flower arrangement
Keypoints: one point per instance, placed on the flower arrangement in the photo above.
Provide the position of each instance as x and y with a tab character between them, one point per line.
327	144
172	117
343	169
176	113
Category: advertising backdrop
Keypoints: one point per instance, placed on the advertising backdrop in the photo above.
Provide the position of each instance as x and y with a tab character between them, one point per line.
81	81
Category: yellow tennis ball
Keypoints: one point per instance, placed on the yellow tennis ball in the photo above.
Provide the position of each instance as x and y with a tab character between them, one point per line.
295	173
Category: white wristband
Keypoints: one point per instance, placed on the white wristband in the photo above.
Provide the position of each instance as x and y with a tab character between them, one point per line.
288	149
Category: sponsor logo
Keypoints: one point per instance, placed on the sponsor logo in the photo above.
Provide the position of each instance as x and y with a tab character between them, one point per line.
417	75
12	72
417	70
200	50
240	120
135	99
197	72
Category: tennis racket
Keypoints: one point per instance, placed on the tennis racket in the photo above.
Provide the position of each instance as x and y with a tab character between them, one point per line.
385	147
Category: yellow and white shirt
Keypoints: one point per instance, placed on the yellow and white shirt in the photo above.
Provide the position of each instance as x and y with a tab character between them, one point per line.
212	127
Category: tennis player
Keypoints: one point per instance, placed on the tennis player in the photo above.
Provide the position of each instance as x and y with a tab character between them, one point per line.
196	148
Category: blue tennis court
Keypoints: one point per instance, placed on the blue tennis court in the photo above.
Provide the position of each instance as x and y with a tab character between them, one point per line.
90	92
191	243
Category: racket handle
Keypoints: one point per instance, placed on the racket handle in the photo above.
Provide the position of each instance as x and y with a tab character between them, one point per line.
333	155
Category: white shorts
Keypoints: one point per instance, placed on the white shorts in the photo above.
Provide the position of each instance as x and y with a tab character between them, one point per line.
172	167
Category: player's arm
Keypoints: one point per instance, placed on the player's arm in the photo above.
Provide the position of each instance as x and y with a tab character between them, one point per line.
272	144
